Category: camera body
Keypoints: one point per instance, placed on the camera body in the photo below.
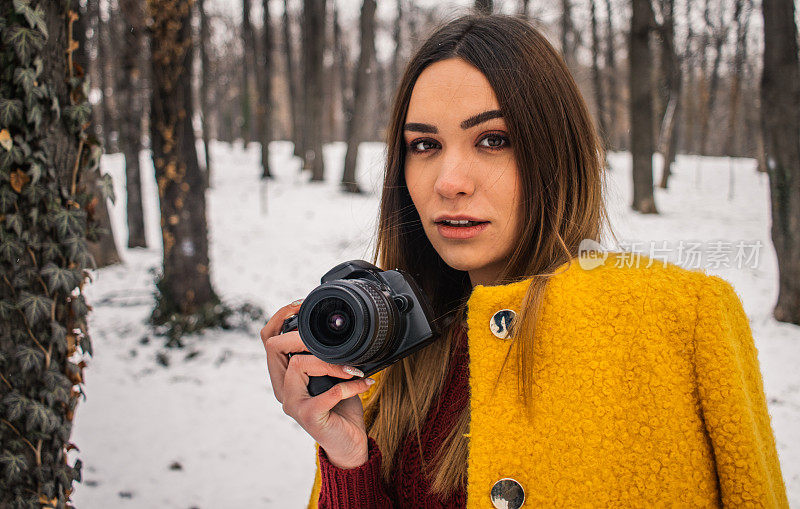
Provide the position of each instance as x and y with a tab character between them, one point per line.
363	317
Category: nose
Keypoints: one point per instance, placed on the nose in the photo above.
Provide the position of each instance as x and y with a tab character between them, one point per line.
455	176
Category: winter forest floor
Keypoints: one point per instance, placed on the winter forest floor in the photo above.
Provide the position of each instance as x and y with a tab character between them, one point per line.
199	426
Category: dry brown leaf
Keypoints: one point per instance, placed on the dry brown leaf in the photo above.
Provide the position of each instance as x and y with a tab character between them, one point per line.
18	180
5	139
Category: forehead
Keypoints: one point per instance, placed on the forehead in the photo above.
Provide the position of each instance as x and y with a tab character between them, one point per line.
450	89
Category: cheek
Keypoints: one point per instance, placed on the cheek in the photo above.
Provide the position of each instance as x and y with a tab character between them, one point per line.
417	187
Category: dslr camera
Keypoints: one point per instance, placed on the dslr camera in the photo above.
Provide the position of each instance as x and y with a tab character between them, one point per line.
363	317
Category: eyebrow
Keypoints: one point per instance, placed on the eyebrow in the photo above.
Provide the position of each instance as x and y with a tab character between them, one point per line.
466	124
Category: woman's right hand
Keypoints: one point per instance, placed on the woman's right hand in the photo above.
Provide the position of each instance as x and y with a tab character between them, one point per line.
335	418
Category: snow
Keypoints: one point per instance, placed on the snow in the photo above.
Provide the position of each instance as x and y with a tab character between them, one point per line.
206	431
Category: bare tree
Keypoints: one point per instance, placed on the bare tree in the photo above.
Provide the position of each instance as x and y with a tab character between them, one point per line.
741	17
597	81
718	33
641	107
205	70
264	74
569	36
313	46
611	72
295	84
185	285
130	101
397	35
366	61
673	79
780	104
248	68
484	6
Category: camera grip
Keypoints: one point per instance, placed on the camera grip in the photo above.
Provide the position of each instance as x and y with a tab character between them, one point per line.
319	384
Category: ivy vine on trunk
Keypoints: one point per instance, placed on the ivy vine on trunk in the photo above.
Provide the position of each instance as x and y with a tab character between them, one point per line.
47	210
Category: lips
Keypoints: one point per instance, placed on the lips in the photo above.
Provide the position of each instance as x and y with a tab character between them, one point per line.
443	217
460	226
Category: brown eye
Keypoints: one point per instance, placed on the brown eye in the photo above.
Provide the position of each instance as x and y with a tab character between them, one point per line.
423	145
495	141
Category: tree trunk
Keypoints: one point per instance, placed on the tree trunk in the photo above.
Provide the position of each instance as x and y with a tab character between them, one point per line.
93	70
641	108
313	46
719	35
569	36
611	71
105	81
295	91
741	17
366	60
47	210
205	64
264	74
780	120
342	60
484	6
249	128
397	35
130	101
184	285
671	69
597	81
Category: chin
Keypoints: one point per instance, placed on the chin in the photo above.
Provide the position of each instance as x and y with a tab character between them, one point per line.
462	264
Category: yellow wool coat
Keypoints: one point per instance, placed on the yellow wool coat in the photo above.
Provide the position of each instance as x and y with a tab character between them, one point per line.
647	393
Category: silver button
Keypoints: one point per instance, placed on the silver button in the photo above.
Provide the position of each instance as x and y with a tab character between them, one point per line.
507	494
501	322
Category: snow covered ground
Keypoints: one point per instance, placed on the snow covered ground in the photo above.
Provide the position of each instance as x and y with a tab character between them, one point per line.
204	431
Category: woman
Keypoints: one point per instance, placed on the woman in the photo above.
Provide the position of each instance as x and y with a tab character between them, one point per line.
618	383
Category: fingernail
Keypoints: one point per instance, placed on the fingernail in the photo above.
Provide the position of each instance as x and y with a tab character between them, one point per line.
369	381
353	371
297	302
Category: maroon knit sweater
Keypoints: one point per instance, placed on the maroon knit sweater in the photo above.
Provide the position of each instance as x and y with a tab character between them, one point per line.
363	487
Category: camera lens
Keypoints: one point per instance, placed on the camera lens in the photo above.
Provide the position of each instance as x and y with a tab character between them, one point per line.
349	321
331	321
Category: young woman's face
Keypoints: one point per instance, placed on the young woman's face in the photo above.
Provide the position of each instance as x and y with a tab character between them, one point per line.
461	167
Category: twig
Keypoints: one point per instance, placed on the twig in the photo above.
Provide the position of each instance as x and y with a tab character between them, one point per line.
6	381
22	437
77	165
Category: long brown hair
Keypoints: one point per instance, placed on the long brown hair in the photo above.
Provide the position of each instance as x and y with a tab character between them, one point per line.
560	160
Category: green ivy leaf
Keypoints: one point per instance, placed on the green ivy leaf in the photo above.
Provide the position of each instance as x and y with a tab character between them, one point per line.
40	418
7	199
35	172
76	247
24	41
35	307
69	222
107	187
30	359
78	113
34	17
86	344
25	77
35	116
15	405
58	387
14	223
6	309
10	111
10	249
50	251
14	465
58	336
59	278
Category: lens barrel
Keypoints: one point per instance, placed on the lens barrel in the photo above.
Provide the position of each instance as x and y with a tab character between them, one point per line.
349	321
